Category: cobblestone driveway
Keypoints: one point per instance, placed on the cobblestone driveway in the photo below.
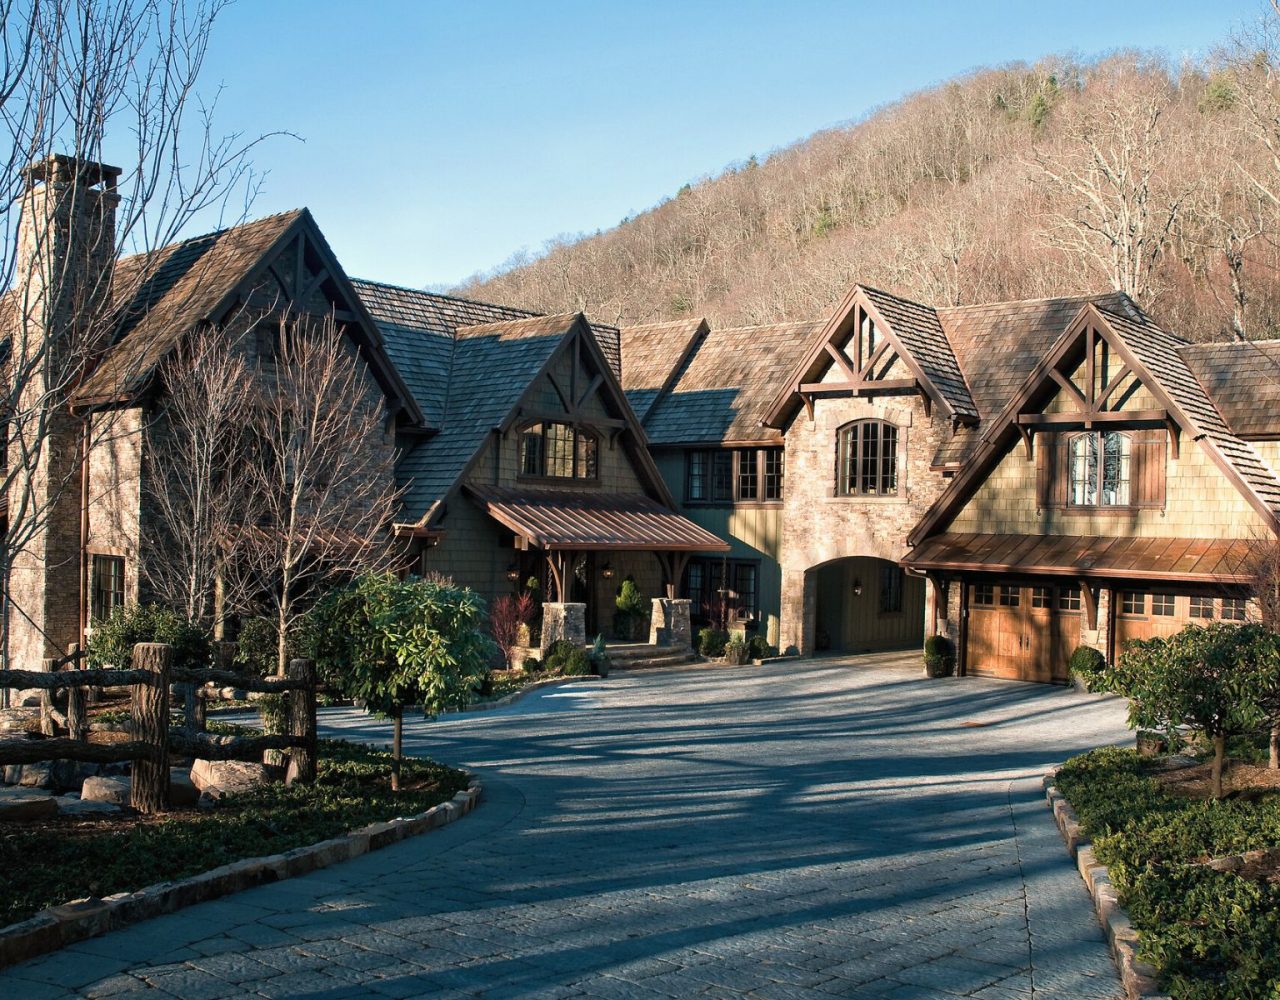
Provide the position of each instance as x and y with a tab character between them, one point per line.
834	828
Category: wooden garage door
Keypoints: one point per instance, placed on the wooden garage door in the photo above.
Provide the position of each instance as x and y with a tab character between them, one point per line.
1022	632
1142	614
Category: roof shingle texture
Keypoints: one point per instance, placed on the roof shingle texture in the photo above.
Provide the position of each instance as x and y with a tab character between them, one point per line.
162	295
724	390
1243	380
650	355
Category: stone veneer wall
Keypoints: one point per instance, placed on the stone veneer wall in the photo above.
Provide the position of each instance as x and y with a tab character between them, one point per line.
820	527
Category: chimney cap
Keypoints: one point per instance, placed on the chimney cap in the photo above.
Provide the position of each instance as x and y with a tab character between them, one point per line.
62	168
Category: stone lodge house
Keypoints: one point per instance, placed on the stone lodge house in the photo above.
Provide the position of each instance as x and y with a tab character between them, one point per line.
1023	477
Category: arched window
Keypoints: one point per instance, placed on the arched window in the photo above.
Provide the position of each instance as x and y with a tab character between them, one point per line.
554	450
1099	469
867	460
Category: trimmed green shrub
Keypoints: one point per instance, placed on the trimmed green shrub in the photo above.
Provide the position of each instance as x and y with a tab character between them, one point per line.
737	652
760	648
632	619
939	656
577	663
711	641
1087	664
557	655
531	665
112	641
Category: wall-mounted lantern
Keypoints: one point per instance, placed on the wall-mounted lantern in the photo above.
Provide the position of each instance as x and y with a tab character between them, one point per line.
606	571
857	588
513	572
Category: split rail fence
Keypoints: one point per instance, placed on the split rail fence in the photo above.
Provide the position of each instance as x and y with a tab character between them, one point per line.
152	737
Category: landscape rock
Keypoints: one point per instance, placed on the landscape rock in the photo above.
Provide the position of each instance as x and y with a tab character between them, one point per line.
57	775
26	803
73	805
182	790
12	774
226	777
104	789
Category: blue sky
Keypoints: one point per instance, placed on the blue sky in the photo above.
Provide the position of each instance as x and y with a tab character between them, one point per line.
439	138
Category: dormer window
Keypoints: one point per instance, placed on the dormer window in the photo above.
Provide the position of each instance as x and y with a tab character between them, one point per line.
553	450
1099	469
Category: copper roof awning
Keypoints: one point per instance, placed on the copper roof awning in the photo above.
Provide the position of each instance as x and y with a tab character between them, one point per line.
564	520
1207	560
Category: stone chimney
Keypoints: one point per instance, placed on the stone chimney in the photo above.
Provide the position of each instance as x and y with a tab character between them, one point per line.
62	285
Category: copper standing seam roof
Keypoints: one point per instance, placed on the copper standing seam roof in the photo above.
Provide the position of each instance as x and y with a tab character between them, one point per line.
1210	560
559	519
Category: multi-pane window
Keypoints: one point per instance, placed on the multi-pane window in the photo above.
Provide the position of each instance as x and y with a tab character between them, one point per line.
1099	469
868	459
108	586
734	475
1069	599
1162	605
728	587
1010	597
1202	607
890	589
984	595
558	451
1041	597
1133	603
1233	609
745	575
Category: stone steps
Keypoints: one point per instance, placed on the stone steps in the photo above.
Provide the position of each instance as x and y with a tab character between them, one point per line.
640	656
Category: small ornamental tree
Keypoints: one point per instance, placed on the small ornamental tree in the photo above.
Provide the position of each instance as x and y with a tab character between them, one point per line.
509	614
1209	678
391	643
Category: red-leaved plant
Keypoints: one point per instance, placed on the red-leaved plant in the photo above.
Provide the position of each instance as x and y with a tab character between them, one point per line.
506	617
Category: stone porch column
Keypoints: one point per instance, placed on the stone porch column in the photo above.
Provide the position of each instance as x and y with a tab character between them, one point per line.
669	624
564	620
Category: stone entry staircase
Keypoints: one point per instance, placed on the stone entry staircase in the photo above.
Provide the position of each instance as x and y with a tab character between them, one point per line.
641	656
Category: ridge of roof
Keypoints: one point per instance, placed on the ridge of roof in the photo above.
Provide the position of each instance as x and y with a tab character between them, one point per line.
442	295
1081	297
526	325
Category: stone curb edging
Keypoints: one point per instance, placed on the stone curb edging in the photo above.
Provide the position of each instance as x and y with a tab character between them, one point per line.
1137	977
59	926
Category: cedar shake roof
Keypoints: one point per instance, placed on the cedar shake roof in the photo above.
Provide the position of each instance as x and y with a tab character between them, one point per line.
997	345
651	357
162	295
725	388
920	332
1243	380
554	519
1142	558
491	367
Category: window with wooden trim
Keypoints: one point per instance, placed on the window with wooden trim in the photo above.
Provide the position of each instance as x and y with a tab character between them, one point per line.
1010	597
107	591
1042	597
723	588
1100	470
1234	609
891	580
1163	605
1069	599
1202	607
738	475
553	450
867	459
1133	603
984	595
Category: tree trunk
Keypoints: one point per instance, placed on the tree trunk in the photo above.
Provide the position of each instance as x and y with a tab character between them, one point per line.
150	781
1274	762
1219	762
302	722
397	745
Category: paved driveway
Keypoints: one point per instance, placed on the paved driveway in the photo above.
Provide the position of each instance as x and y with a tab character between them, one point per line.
832	828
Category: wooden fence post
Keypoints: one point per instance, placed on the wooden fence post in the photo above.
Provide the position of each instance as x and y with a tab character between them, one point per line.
150	785
77	701
302	722
47	725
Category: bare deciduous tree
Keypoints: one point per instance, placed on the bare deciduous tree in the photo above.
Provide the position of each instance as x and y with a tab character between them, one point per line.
197	480
322	471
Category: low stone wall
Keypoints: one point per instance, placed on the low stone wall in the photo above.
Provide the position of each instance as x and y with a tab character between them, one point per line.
669	623
566	621
62	925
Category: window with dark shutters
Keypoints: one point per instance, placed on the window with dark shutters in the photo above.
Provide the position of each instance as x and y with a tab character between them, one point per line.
1147	487
1145	474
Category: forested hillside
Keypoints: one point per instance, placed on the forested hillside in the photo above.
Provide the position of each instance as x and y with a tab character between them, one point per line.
1021	182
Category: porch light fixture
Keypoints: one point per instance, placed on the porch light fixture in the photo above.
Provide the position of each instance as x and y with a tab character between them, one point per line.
513	572
606	571
857	588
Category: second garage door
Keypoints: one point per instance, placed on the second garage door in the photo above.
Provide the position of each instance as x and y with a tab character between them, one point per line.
1022	632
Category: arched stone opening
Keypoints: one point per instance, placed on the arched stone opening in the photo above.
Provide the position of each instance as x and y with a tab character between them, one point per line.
862	604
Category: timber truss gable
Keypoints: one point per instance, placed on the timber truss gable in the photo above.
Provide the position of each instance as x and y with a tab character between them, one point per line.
1109	371
878	344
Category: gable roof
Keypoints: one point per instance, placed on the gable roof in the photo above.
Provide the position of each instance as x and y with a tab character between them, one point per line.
652	355
163	295
1155	357
491	367
1243	380
724	389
